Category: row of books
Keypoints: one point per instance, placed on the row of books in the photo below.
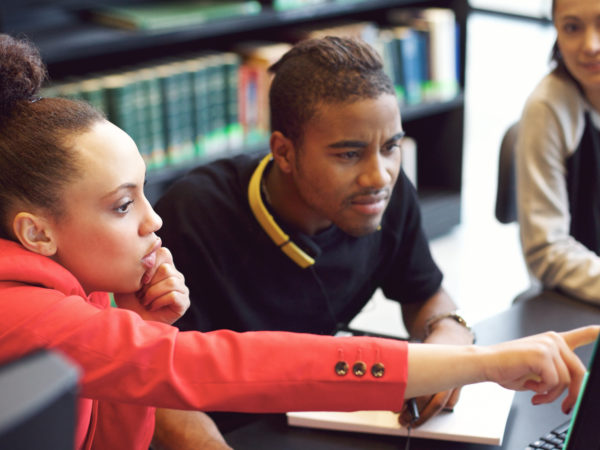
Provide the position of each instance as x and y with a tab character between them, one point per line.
283	5
200	105
420	49
169	15
175	111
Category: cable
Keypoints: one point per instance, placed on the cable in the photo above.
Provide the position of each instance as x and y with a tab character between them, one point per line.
407	446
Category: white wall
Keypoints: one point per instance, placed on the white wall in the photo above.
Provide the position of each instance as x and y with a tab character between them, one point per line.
533	8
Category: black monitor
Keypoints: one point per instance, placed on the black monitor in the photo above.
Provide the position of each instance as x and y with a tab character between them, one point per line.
38	401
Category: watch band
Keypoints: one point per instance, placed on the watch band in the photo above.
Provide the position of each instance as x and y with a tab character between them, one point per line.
449	315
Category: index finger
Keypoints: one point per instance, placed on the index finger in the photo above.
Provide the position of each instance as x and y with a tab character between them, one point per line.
581	336
163	255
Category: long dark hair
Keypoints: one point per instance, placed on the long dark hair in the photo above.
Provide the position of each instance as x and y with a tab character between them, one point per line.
556	56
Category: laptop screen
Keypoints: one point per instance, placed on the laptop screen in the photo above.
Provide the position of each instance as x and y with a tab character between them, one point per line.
584	432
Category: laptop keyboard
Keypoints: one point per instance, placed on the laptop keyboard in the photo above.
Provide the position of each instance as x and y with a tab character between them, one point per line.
553	440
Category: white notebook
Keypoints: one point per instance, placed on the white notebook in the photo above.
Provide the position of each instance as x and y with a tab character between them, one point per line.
479	417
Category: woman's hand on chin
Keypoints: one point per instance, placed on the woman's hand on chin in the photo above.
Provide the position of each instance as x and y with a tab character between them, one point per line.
164	297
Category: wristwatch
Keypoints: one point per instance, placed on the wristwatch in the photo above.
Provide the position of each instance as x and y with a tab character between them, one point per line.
449	315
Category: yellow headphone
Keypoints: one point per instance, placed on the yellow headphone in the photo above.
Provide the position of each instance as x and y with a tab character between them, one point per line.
267	222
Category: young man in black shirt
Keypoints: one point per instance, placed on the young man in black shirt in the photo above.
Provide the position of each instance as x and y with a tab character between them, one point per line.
301	238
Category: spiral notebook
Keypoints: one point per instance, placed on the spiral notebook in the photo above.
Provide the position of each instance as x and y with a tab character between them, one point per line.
479	417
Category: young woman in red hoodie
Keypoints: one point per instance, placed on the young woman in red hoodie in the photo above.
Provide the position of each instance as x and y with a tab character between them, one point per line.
75	225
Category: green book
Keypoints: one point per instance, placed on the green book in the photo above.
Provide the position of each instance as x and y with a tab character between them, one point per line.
119	102
153	116
138	114
133	102
126	99
216	139
234	130
283	5
175	89
92	91
184	102
169	15
197	68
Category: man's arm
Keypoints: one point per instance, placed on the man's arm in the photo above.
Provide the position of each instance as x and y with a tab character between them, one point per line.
425	322
418	321
186	430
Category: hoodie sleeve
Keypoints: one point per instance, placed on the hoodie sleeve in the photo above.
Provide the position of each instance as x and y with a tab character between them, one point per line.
129	360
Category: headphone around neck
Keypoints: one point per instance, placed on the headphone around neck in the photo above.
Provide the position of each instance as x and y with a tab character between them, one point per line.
267	222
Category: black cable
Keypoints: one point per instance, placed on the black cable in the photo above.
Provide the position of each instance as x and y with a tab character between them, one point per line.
407	446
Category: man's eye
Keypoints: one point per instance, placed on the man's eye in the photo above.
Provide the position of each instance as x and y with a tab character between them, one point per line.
570	27
348	155
392	147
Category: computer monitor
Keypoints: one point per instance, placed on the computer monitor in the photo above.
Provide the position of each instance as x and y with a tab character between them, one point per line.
38	400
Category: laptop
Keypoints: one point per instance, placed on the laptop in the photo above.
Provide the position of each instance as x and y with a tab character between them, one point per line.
582	431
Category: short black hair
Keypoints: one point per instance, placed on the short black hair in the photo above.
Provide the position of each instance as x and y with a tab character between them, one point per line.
326	70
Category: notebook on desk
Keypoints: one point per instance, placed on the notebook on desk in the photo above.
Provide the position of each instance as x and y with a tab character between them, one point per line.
582	432
479	417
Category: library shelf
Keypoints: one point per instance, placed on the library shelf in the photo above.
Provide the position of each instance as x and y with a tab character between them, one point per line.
72	45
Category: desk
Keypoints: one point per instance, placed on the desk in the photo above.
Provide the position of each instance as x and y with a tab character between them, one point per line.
526	423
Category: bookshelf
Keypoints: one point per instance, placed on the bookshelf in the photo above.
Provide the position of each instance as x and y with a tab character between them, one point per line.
72	45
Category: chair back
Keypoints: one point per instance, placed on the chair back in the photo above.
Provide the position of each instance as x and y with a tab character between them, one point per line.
506	192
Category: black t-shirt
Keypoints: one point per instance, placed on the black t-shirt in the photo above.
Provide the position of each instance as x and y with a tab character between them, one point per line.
240	280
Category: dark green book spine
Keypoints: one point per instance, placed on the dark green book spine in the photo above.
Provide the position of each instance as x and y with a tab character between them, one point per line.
183	78
234	130
153	116
92	91
167	94
199	80
217	126
119	101
137	100
176	92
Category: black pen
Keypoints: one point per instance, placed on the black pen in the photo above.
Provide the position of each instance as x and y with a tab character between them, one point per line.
414	410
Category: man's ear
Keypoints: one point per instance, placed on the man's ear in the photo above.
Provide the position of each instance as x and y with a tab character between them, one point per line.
283	151
34	233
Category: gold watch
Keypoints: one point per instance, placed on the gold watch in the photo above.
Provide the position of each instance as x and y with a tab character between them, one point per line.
448	315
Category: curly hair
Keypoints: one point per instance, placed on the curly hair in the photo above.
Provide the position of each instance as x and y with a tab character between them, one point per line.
327	70
36	159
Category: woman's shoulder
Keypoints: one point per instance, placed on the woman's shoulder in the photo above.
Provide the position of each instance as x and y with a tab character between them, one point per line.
558	92
556	104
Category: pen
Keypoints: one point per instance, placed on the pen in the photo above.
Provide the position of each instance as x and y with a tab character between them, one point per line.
414	410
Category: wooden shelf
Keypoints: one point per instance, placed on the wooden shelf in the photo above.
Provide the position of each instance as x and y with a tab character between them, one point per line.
426	109
78	38
159	179
72	45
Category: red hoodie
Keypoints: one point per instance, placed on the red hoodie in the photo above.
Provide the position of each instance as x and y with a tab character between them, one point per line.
129	364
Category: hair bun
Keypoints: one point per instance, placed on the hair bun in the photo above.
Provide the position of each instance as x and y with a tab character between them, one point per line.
21	71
